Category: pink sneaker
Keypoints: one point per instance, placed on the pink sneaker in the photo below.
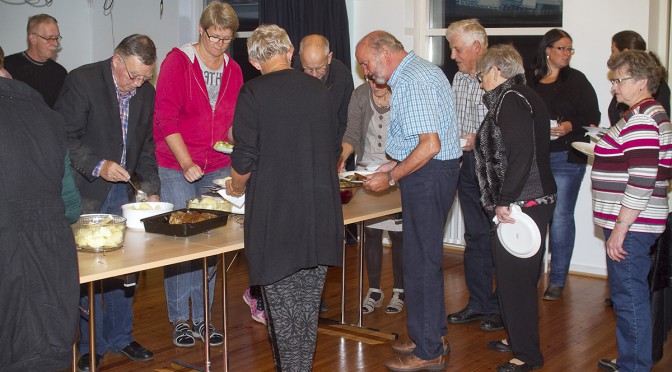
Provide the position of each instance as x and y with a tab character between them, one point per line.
257	314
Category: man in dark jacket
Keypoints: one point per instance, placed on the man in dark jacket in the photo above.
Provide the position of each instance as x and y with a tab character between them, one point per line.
39	283
108	111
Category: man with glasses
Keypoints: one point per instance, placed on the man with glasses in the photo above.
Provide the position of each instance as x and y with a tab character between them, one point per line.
36	66
468	41
316	60
108	111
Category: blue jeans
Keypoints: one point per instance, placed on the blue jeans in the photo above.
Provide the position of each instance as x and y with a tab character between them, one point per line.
629	289
114	302
184	281
478	266
426	197
568	178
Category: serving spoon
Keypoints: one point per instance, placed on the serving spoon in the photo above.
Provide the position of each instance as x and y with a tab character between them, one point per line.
140	196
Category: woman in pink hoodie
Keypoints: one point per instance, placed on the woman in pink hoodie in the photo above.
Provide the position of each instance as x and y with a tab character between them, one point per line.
196	95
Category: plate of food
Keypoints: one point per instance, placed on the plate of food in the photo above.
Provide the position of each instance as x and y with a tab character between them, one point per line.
587	148
355	176
223	147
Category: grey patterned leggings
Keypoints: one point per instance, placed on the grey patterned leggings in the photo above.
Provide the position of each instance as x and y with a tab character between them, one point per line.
292	308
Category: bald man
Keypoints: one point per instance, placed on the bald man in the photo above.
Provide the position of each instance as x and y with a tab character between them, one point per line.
36	66
316	59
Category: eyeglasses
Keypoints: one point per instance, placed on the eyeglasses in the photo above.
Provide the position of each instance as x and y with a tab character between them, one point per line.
479	75
563	49
51	38
317	70
134	77
217	39
619	81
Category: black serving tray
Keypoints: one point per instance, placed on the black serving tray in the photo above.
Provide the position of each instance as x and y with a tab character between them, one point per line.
159	224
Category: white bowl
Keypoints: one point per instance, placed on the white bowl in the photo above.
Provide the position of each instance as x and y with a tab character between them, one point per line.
133	212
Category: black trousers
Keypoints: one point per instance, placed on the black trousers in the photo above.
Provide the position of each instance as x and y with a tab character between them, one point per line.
517	289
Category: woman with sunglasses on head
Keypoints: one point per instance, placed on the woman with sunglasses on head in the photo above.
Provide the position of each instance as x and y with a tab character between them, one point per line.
630	175
572	103
196	95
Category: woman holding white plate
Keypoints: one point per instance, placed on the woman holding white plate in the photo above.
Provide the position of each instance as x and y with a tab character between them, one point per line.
513	169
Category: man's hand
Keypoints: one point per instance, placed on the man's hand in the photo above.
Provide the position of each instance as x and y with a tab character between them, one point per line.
471	140
113	172
377	182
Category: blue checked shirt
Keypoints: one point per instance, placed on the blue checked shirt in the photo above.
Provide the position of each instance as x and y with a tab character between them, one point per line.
469	103
422	102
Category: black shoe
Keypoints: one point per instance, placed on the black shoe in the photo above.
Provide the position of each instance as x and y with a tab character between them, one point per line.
323	305
511	367
607	365
553	292
492	324
84	362
465	315
499	346
135	351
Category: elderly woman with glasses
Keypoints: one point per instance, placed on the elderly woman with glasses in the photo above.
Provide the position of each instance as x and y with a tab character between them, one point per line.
513	168
284	162
572	105
196	94
630	175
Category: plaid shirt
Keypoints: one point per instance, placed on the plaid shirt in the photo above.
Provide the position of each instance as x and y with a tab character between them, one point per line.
469	102
422	102
124	104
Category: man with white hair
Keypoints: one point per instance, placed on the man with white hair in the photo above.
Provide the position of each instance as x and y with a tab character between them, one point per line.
468	41
36	66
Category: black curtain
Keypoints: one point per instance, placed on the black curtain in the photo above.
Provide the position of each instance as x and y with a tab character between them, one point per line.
305	17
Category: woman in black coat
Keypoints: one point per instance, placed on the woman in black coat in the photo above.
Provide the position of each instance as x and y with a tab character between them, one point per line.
284	162
513	169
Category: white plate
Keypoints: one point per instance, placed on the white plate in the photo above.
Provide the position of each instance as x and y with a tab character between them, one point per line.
369	166
223	150
521	239
350	173
463	142
586	148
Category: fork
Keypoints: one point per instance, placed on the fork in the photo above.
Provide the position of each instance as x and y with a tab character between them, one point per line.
140	196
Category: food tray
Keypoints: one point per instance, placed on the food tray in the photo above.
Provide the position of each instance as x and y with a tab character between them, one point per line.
159	224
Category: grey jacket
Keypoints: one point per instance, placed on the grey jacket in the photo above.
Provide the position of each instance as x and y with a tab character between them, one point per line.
359	115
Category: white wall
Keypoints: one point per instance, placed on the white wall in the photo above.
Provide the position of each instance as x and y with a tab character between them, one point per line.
90	33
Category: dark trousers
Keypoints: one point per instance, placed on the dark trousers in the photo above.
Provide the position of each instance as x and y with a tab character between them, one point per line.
478	266
517	289
426	197
373	243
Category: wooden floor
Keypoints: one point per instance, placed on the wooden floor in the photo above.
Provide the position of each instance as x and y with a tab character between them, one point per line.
575	331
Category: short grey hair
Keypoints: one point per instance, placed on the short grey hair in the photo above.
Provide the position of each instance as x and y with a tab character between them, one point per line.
378	39
505	57
140	46
266	42
640	65
469	30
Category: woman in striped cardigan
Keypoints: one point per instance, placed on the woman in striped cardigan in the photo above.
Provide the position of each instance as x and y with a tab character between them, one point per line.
630	175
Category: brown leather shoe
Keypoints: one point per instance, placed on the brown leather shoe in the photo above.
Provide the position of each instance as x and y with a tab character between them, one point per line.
411	363
407	347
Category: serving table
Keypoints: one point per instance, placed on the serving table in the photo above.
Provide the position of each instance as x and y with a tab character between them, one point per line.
144	251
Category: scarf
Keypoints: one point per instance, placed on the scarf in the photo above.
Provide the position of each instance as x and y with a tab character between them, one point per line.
491	162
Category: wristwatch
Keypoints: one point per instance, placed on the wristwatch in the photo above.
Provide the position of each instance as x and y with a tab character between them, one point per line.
390	180
620	222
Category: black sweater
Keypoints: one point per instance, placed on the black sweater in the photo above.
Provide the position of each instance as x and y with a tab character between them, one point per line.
570	98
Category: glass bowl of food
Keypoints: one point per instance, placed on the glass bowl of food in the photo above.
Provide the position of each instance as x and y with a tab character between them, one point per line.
348	190
99	232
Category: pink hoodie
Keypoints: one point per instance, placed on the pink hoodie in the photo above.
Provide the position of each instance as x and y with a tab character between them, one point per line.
183	106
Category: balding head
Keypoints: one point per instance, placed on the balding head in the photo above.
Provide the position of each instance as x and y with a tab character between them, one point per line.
315	55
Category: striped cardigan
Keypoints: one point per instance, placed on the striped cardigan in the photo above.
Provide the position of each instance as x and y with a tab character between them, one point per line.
632	167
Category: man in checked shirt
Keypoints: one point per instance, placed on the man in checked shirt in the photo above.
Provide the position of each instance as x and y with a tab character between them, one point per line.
468	41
